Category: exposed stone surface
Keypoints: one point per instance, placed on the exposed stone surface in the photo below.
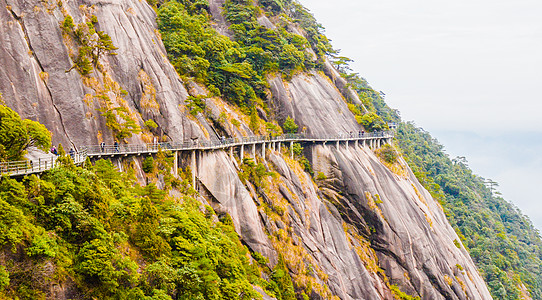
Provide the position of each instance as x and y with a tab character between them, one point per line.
319	228
219	177
313	101
407	227
411	234
35	61
341	84
220	25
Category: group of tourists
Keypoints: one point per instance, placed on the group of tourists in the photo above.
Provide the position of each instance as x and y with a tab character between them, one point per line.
54	151
115	146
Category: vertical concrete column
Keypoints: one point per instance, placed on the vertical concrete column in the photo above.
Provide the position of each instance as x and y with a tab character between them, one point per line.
176	163
193	167
356	144
292	150
263	150
278	149
231	153
242	152
338	145
346	145
254	152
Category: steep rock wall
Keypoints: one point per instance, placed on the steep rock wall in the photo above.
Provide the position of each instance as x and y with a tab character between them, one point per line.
38	81
406	226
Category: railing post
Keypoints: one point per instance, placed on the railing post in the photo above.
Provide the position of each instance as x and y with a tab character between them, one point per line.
193	167
176	163
292	150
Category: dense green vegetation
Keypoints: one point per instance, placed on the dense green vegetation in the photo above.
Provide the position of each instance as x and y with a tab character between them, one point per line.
17	135
236	69
197	50
97	233
111	238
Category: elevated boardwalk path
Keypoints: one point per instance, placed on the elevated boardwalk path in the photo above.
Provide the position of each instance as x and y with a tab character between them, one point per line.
373	140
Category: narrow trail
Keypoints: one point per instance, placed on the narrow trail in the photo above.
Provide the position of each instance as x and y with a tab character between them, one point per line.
20	168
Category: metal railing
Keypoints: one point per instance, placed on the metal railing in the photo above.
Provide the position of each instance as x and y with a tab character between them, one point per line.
195	144
26	167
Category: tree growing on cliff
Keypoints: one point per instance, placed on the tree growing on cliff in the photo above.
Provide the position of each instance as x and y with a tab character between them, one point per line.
290	126
16	135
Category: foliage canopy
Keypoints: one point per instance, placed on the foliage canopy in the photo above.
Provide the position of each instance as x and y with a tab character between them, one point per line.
17	135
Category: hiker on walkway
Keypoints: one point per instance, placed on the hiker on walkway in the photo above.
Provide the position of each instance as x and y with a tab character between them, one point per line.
54	151
72	153
102	146
116	146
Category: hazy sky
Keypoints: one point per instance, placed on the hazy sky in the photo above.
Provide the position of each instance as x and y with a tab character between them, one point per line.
469	72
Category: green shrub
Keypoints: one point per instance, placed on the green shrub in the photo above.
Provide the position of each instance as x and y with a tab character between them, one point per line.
150	124
457	243
43	245
401	295
253	172
321	176
262	260
67	24
306	165
290	126
372	122
282	285
388	154
102	266
4	278
16	135
123	128
148	164
196	105
12	224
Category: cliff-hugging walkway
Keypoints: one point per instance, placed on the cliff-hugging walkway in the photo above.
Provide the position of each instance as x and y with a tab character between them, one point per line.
373	140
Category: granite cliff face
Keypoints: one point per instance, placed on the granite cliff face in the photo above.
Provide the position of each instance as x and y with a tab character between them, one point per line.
354	233
38	81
